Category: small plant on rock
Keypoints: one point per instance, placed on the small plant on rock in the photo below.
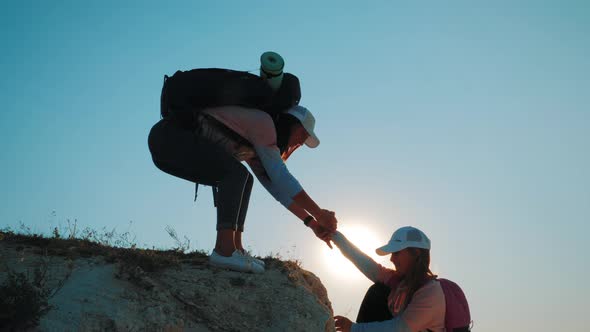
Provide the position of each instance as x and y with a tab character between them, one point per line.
23	300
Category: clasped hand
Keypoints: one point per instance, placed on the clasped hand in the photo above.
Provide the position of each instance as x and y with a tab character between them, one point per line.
327	219
325	226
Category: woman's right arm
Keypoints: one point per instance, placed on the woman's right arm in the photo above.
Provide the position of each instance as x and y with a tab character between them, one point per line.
324	217
362	261
323	233
272	172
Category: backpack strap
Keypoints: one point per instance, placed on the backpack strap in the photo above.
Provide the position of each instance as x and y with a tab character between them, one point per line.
215	193
163	101
196	190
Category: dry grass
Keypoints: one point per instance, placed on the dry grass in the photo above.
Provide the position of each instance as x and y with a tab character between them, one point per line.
113	247
275	260
121	248
24	296
22	302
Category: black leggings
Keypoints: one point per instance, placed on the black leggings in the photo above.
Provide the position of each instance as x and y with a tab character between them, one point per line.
374	307
182	153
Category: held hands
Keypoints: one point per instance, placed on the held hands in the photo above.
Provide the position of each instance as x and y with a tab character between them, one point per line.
327	220
322	233
324	226
342	323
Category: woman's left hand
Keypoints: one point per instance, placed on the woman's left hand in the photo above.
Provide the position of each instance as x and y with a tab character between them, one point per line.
322	233
342	323
327	220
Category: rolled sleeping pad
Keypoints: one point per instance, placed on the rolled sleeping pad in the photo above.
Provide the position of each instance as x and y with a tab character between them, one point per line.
271	68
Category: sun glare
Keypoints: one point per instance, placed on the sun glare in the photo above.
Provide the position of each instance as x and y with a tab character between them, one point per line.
362	238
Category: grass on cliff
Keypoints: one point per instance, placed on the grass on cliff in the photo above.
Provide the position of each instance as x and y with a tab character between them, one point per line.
71	242
114	247
24	296
23	300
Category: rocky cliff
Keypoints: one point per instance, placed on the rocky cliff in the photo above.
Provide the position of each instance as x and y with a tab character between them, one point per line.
54	284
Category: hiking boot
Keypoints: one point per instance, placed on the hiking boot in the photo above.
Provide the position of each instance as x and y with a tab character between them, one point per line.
250	257
235	262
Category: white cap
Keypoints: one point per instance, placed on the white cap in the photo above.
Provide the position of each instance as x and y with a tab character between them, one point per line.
308	121
405	237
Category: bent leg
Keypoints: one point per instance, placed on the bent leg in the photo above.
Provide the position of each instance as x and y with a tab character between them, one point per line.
242	215
374	306
181	153
233	195
245	202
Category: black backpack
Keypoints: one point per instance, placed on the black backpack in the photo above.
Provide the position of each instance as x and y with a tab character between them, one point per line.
187	92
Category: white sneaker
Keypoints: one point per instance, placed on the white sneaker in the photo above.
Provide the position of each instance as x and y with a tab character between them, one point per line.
235	262
248	256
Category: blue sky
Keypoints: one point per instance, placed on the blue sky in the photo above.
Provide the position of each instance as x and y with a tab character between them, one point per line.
467	120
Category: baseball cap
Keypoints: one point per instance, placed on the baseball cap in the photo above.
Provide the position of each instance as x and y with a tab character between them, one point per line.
308	121
405	237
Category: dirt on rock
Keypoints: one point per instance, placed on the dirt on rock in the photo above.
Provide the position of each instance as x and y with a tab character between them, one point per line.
90	287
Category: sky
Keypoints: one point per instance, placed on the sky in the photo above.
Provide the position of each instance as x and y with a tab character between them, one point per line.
468	120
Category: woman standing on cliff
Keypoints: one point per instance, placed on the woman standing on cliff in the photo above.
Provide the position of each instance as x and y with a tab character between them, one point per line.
204	136
212	155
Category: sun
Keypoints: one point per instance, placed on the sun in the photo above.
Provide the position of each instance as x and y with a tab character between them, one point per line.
364	239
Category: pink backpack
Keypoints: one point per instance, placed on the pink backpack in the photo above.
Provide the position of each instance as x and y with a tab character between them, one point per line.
457	316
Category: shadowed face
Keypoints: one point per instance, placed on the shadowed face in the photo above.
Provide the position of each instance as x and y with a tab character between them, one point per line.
403	260
296	139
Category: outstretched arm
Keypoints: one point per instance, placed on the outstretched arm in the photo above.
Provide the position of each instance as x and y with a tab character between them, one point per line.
318	230
362	261
273	174
324	217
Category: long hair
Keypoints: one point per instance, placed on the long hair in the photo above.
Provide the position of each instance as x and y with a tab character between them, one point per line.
284	126
419	274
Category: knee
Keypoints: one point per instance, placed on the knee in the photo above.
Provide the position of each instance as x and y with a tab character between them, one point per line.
240	172
246	178
235	174
378	290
